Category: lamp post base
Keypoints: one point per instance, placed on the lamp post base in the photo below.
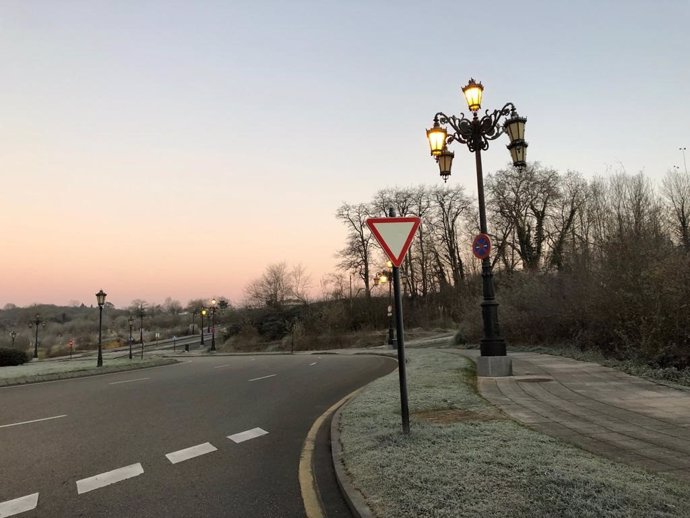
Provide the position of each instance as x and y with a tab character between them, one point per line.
494	366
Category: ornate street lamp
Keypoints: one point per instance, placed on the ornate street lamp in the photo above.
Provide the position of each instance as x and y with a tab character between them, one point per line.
100	297
130	321
214	306
475	133
202	313
13	335
36	322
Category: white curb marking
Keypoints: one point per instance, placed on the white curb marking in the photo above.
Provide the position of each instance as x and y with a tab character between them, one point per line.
34	421
18	505
109	477
263	377
189	453
128	381
249	434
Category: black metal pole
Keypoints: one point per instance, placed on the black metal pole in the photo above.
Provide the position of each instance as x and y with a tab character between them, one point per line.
141	332
492	344
391	336
404	410
99	362
213	329
36	341
202	328
130	340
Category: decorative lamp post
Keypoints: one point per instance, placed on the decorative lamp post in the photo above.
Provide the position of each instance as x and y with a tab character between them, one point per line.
475	133
214	306
202	312
100	297
381	278
36	322
13	335
130	321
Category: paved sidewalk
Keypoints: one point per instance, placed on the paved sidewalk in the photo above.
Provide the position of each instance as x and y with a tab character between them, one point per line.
602	410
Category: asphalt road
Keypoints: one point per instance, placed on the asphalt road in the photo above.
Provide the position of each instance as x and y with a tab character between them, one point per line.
106	428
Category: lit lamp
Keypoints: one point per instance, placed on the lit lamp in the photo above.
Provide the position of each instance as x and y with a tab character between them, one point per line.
100	297
473	93
437	138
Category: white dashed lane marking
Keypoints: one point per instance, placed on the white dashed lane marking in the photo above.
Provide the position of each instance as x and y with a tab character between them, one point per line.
221	366
18	505
311	364
191	452
263	377
249	434
109	477
32	421
127	381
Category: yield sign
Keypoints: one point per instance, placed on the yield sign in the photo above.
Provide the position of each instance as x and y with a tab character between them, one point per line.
394	235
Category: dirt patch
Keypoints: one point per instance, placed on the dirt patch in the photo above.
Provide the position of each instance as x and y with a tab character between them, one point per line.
454	415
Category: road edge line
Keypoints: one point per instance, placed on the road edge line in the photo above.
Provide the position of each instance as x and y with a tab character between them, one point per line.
307	482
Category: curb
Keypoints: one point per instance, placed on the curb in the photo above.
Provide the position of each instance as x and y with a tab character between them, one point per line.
355	500
57	376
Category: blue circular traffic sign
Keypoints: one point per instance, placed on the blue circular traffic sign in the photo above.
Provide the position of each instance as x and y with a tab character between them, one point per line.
481	246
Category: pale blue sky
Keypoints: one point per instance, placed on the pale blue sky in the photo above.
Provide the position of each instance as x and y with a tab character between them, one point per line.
240	127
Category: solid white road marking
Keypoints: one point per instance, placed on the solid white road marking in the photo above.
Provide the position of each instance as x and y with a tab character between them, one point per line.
33	421
313	363
224	365
263	377
127	381
190	453
249	434
18	505
109	477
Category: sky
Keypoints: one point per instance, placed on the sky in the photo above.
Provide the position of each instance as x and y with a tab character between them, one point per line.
171	148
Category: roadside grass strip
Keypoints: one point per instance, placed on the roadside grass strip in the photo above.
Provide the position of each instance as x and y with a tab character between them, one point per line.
245	436
109	477
191	452
463	457
18	505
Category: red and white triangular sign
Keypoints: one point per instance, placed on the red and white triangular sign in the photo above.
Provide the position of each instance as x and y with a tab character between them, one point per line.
394	235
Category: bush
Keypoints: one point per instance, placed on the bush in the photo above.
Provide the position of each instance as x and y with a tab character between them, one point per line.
9	357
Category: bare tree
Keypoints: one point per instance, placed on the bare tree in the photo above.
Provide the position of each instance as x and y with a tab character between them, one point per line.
675	188
357	253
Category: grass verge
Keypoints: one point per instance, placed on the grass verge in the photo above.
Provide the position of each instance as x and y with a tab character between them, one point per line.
50	371
464	458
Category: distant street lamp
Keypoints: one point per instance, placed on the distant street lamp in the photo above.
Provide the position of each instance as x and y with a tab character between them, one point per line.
13	335
685	164
214	307
384	277
100	297
476	134
141	328
130	321
36	322
202	312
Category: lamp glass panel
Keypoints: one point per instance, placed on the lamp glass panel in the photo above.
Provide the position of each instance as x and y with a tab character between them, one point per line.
516	128
473	95
518	154
445	162
437	139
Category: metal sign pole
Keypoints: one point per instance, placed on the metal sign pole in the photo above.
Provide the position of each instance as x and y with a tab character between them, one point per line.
404	410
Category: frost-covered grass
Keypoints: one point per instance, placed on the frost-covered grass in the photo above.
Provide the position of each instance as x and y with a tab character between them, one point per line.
479	463
631	366
47	370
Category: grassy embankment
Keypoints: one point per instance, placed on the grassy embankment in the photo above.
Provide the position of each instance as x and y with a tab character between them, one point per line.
464	458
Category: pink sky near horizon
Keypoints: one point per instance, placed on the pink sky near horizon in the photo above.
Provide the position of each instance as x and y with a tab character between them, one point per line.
167	148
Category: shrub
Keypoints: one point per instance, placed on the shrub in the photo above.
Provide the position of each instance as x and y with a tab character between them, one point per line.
9	357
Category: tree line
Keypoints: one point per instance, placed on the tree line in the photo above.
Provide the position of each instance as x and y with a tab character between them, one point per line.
599	262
